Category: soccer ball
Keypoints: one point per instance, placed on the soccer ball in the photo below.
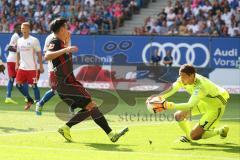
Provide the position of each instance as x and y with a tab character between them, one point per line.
155	104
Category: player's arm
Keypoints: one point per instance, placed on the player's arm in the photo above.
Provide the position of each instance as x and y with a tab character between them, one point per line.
12	45
18	56
169	92
193	101
39	54
52	54
17	61
12	48
37	49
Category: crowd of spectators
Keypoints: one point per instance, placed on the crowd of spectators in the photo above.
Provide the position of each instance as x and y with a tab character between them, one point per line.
84	16
195	17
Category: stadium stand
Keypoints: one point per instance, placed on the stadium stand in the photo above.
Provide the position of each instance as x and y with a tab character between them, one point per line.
85	16
194	17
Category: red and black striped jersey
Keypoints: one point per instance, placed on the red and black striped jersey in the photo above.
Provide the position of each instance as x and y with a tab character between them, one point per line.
62	65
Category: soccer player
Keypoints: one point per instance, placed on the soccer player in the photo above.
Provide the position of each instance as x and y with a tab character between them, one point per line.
28	57
69	89
52	79
206	98
11	62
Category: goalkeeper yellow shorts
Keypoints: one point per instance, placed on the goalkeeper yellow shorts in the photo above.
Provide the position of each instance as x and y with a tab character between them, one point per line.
211	114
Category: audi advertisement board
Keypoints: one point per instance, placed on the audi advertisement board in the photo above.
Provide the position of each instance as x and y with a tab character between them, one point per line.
125	60
200	51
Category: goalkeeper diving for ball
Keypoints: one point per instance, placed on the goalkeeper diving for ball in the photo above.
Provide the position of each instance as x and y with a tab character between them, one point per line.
207	99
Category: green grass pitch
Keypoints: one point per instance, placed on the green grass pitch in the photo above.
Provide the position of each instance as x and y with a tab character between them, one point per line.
25	136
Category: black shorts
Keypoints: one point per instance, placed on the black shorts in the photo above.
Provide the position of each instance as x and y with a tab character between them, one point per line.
74	94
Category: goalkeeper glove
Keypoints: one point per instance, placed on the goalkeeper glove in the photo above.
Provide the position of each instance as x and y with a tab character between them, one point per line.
168	105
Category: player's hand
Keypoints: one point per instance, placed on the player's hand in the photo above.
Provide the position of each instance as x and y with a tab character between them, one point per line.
68	37
71	49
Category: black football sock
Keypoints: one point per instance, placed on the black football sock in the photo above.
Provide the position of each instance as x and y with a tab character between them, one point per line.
79	117
99	118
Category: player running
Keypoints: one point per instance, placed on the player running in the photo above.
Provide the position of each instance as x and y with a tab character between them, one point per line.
69	89
28	57
206	98
11	62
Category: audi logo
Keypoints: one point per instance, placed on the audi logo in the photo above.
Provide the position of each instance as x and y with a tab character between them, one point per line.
190	56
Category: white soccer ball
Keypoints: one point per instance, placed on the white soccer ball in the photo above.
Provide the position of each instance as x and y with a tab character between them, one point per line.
155	104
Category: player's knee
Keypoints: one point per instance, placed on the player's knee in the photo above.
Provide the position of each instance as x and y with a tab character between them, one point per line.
11	79
54	91
34	86
91	106
195	136
18	85
178	116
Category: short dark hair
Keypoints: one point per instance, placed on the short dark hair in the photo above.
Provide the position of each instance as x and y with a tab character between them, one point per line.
188	69
17	25
56	24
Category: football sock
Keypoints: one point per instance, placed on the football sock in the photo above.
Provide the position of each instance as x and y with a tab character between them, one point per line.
46	97
210	133
9	87
96	115
24	90
185	126
36	92
25	86
77	118
100	120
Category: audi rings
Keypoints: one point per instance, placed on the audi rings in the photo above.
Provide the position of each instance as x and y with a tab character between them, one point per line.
190	56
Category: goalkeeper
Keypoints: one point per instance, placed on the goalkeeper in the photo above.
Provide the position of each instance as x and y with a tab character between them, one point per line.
207	99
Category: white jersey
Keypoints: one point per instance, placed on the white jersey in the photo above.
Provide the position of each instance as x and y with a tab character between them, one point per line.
46	44
12	56
47	41
28	48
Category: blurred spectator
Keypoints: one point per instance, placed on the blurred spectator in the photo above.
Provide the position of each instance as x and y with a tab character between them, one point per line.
118	13
196	17
106	15
156	58
93	27
168	59
164	28
169	7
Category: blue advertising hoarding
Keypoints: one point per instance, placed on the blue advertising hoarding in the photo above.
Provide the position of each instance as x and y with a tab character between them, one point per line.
212	52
